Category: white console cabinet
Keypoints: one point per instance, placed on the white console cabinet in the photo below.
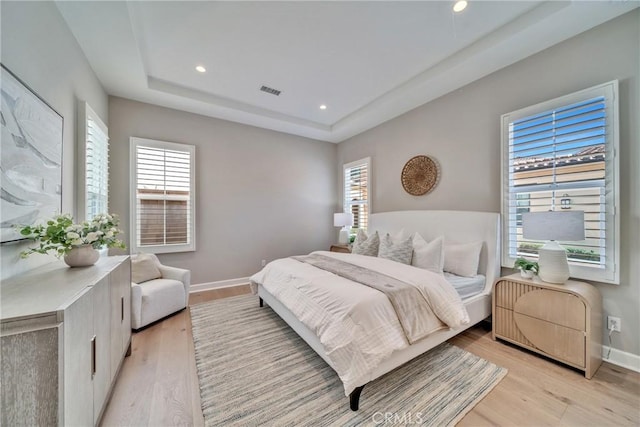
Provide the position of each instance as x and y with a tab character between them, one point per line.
64	334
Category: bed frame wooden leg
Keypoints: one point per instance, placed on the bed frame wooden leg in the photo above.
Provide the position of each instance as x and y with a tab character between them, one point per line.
354	398
261	302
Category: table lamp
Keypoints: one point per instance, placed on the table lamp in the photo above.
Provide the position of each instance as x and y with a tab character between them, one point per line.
344	220
553	226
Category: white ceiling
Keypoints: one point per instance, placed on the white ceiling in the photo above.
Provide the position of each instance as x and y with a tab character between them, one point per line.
367	61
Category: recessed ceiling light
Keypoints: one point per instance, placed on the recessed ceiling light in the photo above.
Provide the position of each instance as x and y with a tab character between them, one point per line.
460	6
323	107
201	69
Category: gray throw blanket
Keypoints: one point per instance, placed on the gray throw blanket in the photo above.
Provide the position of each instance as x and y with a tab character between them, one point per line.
407	301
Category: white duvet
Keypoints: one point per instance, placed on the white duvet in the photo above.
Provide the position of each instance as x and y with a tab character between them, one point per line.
357	325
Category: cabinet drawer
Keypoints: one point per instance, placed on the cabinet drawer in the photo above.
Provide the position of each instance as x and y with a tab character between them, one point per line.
561	308
505	327
559	342
507	292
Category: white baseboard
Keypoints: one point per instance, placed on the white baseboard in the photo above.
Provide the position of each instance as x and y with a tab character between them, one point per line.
621	358
199	287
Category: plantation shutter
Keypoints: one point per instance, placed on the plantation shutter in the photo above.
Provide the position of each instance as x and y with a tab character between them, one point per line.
356	192
163	189
561	159
97	168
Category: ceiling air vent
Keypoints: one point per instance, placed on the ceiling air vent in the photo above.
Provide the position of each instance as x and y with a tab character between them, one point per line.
270	90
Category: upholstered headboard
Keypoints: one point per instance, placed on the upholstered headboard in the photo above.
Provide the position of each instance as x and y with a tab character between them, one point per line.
455	226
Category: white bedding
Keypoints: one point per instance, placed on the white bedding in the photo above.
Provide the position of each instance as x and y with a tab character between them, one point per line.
357	325
466	286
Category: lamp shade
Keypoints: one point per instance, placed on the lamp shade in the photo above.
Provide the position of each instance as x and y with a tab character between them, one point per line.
342	219
563	226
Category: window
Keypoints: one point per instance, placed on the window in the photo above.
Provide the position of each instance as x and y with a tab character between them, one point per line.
162	196
356	191
93	177
562	155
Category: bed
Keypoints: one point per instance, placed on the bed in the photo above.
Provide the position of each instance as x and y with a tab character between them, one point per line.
454	226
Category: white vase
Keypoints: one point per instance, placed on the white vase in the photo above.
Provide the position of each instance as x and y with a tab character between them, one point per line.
526	274
81	256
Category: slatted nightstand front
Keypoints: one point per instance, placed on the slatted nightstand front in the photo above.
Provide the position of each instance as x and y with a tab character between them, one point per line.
563	322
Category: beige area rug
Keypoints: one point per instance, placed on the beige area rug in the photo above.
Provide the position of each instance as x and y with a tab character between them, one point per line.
255	370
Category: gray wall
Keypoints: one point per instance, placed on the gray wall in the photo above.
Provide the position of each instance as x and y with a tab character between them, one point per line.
462	131
38	47
260	194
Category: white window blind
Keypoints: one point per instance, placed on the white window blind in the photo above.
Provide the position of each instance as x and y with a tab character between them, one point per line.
97	168
356	191
93	175
561	155
163	196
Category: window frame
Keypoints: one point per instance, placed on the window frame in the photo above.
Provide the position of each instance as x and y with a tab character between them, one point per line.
365	161
611	272
86	113
190	246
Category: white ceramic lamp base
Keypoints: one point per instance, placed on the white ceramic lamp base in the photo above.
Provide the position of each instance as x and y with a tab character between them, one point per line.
343	237
554	267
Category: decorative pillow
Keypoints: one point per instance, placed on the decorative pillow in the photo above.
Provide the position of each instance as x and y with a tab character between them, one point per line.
462	259
361	236
364	245
396	236
143	268
399	252
428	255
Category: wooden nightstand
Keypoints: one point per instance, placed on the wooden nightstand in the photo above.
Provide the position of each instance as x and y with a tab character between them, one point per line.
563	322
341	248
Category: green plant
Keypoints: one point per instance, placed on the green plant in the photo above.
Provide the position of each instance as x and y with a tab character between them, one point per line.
572	253
60	234
582	254
531	248
526	265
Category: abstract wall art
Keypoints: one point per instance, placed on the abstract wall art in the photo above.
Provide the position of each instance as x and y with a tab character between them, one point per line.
30	157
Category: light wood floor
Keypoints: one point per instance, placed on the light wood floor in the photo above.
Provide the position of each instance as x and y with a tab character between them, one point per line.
158	385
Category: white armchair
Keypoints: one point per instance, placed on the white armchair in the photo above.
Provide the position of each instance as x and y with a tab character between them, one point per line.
162	290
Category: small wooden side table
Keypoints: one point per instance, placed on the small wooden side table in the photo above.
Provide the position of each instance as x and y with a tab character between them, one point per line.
563	322
341	248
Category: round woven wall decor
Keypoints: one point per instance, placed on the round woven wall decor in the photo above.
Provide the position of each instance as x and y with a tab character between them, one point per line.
420	175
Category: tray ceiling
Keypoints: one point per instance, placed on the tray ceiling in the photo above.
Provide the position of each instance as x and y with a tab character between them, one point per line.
366	61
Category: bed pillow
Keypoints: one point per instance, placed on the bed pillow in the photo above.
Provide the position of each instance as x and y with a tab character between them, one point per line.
462	258
361	236
428	255
144	268
399	251
396	236
366	245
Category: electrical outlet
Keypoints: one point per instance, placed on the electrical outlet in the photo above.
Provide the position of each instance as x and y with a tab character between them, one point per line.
614	323
264	262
